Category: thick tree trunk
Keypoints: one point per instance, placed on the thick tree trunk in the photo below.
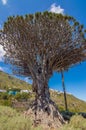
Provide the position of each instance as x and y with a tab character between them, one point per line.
44	109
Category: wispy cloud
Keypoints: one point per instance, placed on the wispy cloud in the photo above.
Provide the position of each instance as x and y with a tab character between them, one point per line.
2	53
56	9
1	69
4	2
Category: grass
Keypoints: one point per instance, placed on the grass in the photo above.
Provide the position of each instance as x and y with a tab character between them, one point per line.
10	119
77	122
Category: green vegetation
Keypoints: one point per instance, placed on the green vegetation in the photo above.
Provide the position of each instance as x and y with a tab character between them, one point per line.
5	99
10	100
76	123
74	104
7	81
10	119
22	96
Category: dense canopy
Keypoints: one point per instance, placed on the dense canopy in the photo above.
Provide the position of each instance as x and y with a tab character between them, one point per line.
44	39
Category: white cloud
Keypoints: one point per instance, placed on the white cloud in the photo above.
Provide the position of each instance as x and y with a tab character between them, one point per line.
56	9
1	69
4	2
2	53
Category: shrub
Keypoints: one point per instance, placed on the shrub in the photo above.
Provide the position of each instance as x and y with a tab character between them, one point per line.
6	102
22	96
67	114
4	96
14	89
77	122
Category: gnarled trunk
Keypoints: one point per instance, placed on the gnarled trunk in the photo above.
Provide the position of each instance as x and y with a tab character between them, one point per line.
44	110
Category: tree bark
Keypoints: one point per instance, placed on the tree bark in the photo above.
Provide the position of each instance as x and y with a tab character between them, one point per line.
44	109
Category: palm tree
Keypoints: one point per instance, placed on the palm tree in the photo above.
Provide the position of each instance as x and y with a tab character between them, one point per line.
64	90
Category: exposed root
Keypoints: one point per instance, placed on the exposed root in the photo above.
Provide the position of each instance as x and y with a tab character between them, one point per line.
45	115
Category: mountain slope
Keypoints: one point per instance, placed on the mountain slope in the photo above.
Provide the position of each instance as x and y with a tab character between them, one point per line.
7	81
74	104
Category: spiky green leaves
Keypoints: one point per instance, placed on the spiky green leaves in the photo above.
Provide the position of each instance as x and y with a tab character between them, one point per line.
49	41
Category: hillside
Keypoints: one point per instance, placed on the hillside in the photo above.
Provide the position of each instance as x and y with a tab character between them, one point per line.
74	104
7	81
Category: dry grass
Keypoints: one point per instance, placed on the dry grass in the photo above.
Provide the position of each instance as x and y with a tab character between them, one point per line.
12	120
77	122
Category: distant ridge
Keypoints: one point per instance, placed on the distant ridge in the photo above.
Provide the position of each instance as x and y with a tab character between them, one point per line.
7	81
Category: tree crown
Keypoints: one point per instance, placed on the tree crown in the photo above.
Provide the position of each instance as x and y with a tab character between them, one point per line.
42	43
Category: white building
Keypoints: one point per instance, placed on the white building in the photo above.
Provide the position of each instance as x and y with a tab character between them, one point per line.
25	91
2	90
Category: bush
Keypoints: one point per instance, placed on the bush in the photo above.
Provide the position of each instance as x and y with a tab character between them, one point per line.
77	122
22	96
5	99
67	114
4	96
14	89
6	102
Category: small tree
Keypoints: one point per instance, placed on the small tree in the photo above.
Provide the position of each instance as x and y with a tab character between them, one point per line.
38	44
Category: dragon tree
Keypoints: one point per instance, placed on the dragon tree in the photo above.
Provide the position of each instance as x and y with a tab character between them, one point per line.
36	45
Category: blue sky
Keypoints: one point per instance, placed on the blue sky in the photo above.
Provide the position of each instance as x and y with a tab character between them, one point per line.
75	78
